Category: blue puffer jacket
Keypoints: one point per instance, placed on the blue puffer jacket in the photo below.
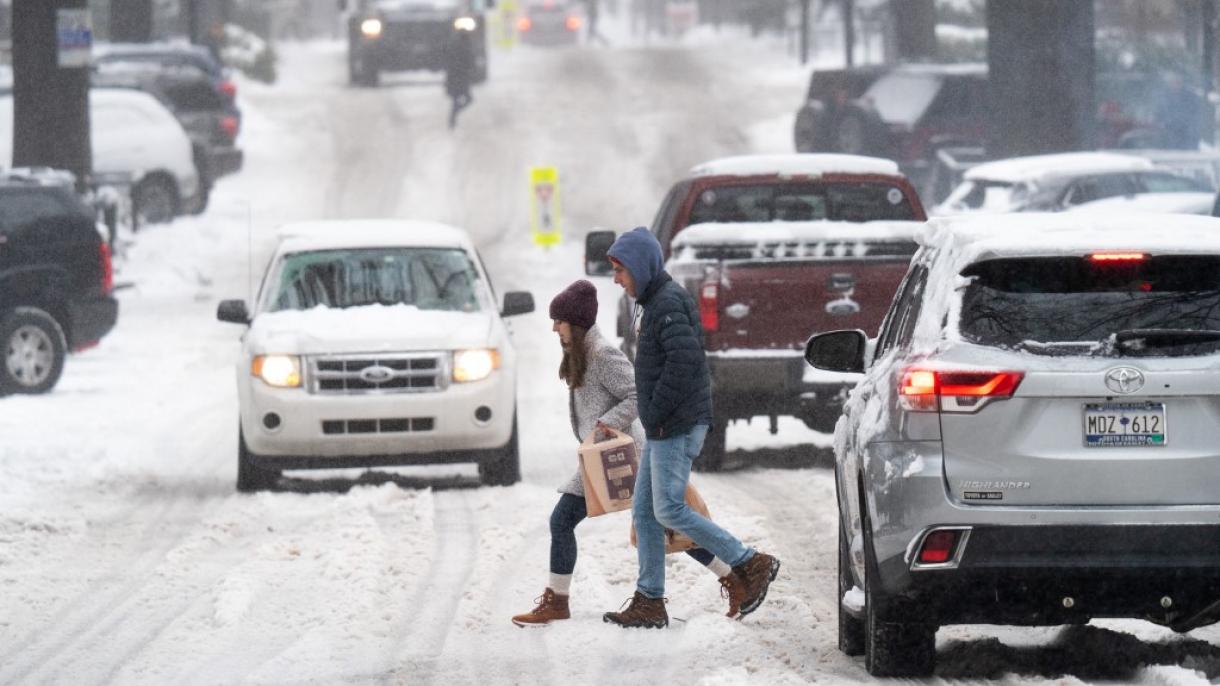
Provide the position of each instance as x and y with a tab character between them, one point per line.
672	381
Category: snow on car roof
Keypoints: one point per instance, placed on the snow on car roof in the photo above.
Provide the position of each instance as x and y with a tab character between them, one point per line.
1061	233
794	232
1039	167
367	233
804	164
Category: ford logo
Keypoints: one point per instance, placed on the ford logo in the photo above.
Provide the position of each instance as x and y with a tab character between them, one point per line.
1124	380
376	374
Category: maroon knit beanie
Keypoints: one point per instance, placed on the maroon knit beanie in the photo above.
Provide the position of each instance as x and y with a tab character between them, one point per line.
576	304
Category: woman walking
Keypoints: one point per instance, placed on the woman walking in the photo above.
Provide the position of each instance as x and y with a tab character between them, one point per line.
601	393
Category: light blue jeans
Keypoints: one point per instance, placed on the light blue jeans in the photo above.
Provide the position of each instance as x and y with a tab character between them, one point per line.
660	503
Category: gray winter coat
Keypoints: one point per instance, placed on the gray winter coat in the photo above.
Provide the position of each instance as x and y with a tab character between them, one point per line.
607	394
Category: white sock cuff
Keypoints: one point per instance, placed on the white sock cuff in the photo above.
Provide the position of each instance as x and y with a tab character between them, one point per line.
560	583
719	567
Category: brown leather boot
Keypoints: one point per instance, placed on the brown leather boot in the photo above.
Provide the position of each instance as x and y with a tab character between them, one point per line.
642	611
756	574
733	588
551	606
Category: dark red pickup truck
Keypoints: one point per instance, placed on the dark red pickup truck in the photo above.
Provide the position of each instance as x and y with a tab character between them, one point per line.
776	248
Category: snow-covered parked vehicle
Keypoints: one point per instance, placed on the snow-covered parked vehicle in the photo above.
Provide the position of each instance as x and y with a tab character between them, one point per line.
1034	440
376	343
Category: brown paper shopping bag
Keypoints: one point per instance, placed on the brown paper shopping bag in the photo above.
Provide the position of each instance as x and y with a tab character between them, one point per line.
676	541
607	469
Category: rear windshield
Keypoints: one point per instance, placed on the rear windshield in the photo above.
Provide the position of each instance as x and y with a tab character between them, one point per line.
1156	306
427	278
848	202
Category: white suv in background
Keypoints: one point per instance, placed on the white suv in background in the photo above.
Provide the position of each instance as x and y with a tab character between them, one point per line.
376	343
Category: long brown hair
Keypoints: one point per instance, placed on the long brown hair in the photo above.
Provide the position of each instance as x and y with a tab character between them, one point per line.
575	358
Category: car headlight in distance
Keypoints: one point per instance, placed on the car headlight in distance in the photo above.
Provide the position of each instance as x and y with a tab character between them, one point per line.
474	365
371	28
281	371
465	24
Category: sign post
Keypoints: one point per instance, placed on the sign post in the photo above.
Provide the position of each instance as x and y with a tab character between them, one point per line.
544	206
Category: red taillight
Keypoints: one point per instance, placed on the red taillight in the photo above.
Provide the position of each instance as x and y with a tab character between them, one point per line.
524	24
228	89
572	22
1114	257
103	254
709	306
229	125
927	390
938	546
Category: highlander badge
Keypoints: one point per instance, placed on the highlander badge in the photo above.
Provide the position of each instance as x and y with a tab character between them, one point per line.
376	374
1124	380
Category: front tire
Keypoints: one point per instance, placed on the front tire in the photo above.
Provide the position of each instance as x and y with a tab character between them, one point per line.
33	349
250	477
156	200
504	470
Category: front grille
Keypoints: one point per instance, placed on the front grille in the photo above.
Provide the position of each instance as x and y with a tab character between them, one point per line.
405	32
333	427
378	374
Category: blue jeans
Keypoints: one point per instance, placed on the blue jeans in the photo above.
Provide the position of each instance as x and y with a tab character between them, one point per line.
570	511
660	503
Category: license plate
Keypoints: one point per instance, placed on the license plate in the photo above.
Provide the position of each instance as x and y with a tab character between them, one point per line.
1124	425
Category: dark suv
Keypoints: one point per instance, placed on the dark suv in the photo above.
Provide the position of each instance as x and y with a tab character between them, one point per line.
398	35
55	279
204	113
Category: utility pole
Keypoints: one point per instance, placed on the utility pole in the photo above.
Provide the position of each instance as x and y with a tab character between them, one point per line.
52	41
131	21
805	31
849	31
914	29
1041	68
1207	19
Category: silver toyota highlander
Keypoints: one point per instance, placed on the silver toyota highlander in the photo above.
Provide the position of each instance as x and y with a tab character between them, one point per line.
1035	438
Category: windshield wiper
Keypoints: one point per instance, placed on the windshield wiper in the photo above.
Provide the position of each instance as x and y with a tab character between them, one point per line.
1140	338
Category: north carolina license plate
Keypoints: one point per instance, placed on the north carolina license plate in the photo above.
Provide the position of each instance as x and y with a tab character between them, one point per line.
1124	425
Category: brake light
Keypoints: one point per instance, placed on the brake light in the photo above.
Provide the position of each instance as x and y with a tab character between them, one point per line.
928	390
229	125
709	306
1112	257
103	254
228	89
524	24
938	546
572	22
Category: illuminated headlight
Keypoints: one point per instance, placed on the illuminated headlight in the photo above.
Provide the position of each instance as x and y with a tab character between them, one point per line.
371	28
473	365
464	24
281	371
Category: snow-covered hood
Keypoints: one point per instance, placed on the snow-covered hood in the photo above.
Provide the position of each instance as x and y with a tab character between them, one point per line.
373	328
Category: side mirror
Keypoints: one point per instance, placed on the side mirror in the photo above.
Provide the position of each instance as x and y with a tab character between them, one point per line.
517	302
233	311
837	351
597	244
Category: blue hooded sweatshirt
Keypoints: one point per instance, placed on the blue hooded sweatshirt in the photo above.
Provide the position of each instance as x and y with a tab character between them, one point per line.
672	381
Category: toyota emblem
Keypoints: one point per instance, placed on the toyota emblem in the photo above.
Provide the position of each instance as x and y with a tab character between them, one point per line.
1124	380
376	374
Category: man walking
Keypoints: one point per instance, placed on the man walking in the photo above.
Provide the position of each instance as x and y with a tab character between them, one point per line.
675	402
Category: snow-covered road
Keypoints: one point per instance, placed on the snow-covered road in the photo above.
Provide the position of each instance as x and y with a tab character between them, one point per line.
127	557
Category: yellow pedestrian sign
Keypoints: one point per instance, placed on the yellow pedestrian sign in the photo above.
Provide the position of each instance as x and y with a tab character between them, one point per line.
544	205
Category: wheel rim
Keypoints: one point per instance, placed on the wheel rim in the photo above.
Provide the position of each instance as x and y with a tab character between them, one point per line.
156	204
29	356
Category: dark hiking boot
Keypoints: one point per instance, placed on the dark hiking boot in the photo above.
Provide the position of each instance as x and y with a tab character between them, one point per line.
641	611
733	588
551	606
756	574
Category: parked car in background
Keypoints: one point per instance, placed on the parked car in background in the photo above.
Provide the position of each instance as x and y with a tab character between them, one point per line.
376	343
204	114
1052	183
773	247
55	278
1033	441
549	22
133	135
172	54
400	35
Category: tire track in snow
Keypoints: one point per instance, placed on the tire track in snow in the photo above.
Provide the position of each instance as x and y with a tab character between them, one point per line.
428	618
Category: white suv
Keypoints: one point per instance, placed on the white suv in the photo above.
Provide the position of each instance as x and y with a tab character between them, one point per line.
376	343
